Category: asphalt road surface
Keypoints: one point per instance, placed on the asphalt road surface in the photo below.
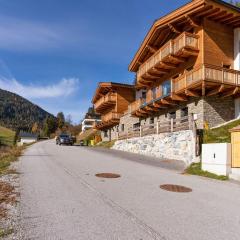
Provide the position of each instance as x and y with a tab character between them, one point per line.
61	198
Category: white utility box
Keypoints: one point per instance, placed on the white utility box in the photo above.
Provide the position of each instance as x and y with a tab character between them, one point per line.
216	158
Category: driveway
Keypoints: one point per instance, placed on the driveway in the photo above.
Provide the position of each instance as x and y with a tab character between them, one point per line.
61	198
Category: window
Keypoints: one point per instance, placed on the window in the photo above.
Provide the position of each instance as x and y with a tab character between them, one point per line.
105	133
154	90
184	112
122	127
144	95
190	69
136	126
226	66
172	115
151	121
166	88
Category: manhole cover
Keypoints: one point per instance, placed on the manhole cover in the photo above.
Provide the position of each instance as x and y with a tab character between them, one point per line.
108	175
175	188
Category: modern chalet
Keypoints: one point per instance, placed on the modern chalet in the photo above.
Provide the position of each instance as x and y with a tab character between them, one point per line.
189	64
111	100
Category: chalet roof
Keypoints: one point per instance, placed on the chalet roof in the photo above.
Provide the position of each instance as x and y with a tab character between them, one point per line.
105	87
189	14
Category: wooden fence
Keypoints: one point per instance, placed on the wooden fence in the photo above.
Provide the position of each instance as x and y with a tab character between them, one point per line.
170	125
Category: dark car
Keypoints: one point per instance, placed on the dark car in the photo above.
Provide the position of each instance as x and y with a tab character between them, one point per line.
64	139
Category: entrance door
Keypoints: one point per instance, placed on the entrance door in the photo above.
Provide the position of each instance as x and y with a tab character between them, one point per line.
236	150
237	108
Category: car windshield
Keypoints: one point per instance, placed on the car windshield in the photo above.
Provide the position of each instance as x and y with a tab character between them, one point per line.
64	136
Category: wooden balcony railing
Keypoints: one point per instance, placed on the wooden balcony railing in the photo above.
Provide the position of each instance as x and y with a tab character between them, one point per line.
108	99
207	73
111	116
172	47
204	72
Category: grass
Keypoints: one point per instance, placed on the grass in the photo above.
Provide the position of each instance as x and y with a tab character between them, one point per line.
195	169
7	156
5	232
221	134
107	144
7	136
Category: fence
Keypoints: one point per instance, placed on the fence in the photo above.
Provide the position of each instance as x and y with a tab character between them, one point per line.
170	125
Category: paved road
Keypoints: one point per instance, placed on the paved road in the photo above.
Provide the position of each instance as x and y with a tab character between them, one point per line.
62	199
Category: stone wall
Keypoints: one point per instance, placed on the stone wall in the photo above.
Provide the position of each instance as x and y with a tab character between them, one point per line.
177	145
218	110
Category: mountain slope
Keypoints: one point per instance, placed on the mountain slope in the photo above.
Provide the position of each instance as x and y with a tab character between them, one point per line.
17	112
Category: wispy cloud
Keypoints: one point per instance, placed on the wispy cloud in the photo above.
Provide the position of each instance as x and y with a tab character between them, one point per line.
65	87
19	34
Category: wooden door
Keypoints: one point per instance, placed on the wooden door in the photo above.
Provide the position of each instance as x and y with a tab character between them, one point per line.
236	149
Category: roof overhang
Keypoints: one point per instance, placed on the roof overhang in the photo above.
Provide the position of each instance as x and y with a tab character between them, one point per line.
105	87
201	8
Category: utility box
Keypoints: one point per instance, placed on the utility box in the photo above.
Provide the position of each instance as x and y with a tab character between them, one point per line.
216	158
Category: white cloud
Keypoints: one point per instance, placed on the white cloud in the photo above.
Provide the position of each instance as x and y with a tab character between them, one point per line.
65	87
18	34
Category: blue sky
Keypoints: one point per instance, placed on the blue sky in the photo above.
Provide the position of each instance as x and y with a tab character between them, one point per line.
54	52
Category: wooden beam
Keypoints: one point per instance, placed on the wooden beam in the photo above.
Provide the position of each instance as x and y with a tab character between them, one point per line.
159	70
216	15
145	80
152	49
170	65
151	109
231	92
142	111
193	22
203	88
180	59
210	11
157	105
151	75
192	93
173	28
224	18
232	21
168	102
138	114
216	91
217	10
177	97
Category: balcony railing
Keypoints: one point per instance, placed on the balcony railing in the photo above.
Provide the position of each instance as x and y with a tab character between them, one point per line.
204	72
172	47
108	99
111	116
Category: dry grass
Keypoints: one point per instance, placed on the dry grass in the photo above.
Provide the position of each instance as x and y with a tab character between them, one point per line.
7	196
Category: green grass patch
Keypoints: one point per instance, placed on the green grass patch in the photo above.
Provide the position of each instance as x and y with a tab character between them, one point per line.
107	144
195	169
7	136
221	134
6	232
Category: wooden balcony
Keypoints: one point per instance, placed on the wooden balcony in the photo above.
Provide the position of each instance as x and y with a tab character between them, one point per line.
105	102
204	80
168	57
109	120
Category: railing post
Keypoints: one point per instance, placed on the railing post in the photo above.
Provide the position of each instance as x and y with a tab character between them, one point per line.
158	127
171	124
203	72
222	76
140	131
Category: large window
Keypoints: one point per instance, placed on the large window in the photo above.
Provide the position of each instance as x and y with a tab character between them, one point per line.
166	88
154	90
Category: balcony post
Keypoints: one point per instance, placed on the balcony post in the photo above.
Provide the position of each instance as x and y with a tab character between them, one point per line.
140	130
171	124
222	75
158	127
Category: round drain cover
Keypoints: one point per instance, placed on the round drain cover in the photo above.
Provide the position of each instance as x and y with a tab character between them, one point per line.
108	175
175	188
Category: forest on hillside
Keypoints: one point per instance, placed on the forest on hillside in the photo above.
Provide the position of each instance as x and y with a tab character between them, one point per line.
18	113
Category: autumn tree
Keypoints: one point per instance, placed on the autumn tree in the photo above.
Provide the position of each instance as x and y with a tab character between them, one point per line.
60	120
35	128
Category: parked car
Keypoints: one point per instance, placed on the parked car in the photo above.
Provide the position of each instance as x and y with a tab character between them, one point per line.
64	139
81	143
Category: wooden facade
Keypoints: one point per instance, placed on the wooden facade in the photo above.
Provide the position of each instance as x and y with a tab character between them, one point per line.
188	53
111	100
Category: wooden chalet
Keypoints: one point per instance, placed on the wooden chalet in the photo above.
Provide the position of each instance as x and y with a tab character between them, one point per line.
191	52
111	100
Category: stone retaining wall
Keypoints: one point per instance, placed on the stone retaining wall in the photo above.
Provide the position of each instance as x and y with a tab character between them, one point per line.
177	146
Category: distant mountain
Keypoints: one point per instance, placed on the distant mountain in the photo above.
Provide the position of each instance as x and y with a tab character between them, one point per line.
17	112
